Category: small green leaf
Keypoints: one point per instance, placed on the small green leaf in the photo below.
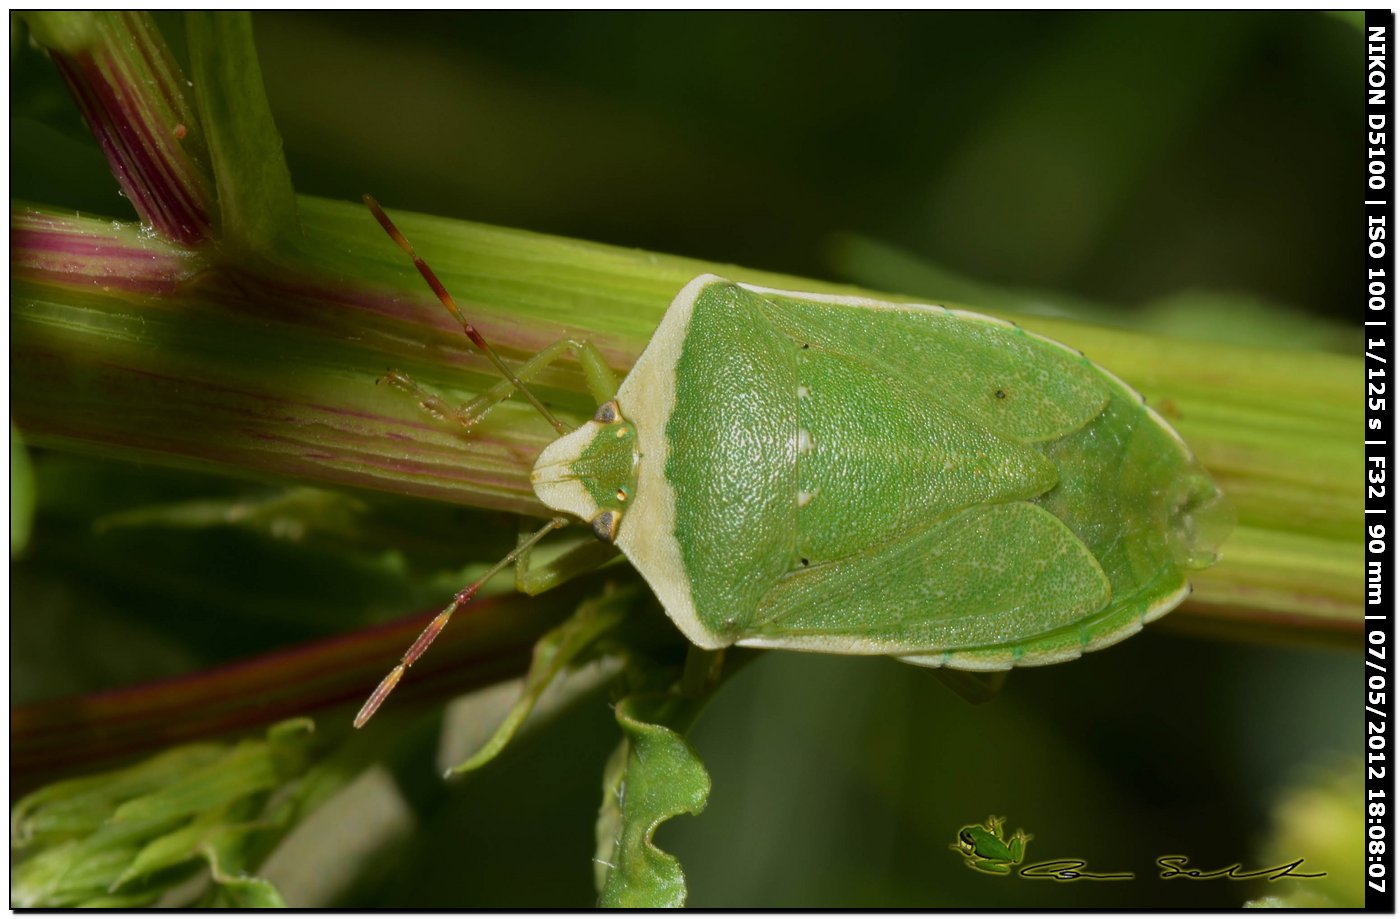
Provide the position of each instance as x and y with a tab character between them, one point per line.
653	776
560	647
233	887
289	745
223	846
77	870
169	850
124	838
244	770
77	807
250	767
244	893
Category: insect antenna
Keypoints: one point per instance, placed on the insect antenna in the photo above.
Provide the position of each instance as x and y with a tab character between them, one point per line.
440	621
456	312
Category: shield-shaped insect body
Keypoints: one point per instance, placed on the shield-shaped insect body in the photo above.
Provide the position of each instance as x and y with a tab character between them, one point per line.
821	473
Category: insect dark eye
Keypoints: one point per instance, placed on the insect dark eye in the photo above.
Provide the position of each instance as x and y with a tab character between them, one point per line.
605	525
966	838
607	412
1001	394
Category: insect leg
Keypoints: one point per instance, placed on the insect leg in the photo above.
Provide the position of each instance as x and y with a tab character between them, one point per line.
595	369
973	686
602	384
702	671
451	306
429	401
581	559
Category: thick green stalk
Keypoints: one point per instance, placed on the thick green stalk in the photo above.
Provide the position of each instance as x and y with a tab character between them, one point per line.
133	96
130	347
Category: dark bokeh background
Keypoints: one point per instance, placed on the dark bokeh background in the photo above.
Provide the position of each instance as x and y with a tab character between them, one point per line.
1193	171
1122	156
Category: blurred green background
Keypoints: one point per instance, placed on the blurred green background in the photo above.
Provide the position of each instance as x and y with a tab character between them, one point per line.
1191	172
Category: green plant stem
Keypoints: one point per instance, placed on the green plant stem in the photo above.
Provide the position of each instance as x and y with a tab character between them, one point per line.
133	348
133	96
256	201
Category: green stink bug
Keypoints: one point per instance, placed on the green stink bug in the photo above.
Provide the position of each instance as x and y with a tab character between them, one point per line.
824	473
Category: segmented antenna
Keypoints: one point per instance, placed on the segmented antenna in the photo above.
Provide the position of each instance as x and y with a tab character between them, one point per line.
457	314
440	621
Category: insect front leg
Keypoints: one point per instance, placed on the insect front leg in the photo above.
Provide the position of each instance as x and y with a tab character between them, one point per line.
429	401
602	384
579	560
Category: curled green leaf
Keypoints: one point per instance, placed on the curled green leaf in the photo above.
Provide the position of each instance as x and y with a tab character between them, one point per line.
653	776
226	852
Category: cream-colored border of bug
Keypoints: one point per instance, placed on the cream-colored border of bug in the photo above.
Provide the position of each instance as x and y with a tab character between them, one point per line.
647	532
